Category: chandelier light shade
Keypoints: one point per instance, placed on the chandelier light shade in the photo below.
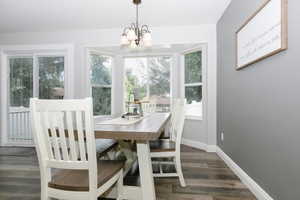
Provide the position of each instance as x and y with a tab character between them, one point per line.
135	35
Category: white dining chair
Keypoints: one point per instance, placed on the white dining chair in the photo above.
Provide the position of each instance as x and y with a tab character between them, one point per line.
70	171
170	148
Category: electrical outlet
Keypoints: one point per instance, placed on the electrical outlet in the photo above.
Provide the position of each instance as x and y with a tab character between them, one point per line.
222	136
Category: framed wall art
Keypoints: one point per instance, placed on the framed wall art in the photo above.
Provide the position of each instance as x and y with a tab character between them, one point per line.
263	34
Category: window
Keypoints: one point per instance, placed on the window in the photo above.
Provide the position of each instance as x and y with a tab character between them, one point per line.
51	77
148	78
24	83
20	81
101	83
193	83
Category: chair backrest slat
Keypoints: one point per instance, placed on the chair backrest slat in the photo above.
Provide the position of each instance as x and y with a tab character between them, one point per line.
180	119
71	137
48	140
64	133
55	140
80	136
61	133
177	121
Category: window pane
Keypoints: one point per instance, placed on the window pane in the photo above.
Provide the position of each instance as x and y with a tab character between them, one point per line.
149	80
101	100
100	76
136	78
193	94
193	67
21	81
51	77
159	82
100	70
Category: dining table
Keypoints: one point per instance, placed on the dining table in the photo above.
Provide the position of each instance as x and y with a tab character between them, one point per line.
149	128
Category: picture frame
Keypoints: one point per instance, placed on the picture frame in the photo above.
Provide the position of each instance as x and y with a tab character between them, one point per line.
264	34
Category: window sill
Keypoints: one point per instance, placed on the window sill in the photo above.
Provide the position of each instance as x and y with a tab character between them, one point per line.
194	117
102	117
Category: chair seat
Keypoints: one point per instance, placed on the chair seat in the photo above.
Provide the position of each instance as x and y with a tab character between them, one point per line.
78	180
105	145
162	146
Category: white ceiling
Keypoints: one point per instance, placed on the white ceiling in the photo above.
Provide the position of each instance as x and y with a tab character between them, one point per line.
55	15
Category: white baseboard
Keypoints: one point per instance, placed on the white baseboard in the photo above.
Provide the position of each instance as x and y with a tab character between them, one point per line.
245	178
198	145
258	191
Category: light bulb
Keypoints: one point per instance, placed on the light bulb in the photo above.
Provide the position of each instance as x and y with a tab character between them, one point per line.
147	37
131	35
147	43
124	40
133	44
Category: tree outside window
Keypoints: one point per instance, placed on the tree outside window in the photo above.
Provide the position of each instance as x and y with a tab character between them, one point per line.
149	79
101	82
51	77
20	81
193	82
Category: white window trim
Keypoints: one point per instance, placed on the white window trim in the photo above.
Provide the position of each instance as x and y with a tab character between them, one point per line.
112	86
203	49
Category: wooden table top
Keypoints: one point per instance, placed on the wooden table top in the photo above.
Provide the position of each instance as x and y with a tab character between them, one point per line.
149	128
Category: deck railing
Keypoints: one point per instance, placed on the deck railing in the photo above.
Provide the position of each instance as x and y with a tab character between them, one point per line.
19	132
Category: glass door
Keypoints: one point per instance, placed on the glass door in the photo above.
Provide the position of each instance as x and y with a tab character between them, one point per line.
20	91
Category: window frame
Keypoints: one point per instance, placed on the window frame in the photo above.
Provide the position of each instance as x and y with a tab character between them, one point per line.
203	84
36	69
111	86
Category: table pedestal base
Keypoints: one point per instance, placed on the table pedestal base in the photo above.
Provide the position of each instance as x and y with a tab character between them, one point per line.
146	191
146	173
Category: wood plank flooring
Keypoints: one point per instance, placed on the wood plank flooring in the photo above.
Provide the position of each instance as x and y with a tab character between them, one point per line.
207	177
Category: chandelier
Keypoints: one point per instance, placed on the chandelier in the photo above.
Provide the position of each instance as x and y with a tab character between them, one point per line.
135	36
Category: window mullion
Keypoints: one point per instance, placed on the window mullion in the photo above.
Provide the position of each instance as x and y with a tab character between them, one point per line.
35	77
99	110
193	84
148	79
102	86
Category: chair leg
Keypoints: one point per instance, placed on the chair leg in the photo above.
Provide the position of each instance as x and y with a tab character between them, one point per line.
45	174
44	195
120	186
92	195
179	171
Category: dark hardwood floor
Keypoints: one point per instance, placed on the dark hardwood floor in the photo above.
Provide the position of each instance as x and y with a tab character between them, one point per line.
207	177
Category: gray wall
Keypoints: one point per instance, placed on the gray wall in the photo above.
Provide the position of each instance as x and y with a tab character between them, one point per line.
259	106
